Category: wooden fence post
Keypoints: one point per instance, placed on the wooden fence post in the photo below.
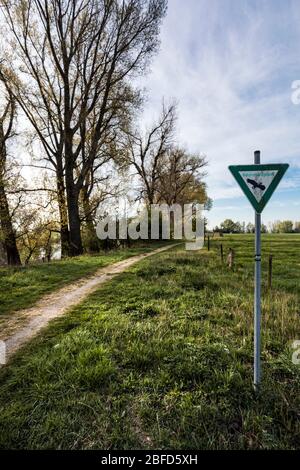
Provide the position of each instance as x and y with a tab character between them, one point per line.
208	243
222	253
230	258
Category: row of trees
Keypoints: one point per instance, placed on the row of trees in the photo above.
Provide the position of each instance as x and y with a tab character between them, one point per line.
286	226
67	71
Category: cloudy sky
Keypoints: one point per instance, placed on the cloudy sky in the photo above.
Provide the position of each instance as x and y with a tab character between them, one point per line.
231	65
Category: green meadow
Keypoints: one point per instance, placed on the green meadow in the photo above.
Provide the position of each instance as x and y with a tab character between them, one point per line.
161	357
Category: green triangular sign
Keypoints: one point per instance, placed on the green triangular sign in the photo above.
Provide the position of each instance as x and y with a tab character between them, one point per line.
258	182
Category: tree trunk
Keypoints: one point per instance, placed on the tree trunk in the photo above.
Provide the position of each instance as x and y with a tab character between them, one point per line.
9	238
75	242
92	243
63	214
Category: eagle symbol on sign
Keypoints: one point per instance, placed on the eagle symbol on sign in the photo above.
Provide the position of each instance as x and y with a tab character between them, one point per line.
256	185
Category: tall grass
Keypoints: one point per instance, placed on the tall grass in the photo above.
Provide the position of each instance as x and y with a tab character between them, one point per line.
162	358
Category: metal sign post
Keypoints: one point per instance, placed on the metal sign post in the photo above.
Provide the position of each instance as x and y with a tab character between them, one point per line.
258	182
257	290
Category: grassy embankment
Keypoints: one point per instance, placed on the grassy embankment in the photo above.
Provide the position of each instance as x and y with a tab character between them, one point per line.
161	357
21	287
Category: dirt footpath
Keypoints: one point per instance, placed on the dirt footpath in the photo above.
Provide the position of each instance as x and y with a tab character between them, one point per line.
25	324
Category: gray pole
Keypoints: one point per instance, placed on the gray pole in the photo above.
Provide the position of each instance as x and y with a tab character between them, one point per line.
257	291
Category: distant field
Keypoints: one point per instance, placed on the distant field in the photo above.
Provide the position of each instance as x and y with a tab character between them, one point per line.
161	358
286	256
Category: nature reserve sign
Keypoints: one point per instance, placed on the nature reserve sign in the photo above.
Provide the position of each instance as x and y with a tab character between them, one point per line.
258	182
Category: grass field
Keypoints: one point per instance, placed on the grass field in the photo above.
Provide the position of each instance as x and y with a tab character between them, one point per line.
161	357
21	287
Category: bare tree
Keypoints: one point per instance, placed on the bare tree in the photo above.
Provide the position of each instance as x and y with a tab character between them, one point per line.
7	116
180	178
75	57
97	186
147	153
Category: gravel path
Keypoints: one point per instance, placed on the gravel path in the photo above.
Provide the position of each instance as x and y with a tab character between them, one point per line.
25	324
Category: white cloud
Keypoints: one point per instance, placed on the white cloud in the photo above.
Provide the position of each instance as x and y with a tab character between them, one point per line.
232	76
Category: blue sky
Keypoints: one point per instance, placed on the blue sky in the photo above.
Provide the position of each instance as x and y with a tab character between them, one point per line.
231	64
